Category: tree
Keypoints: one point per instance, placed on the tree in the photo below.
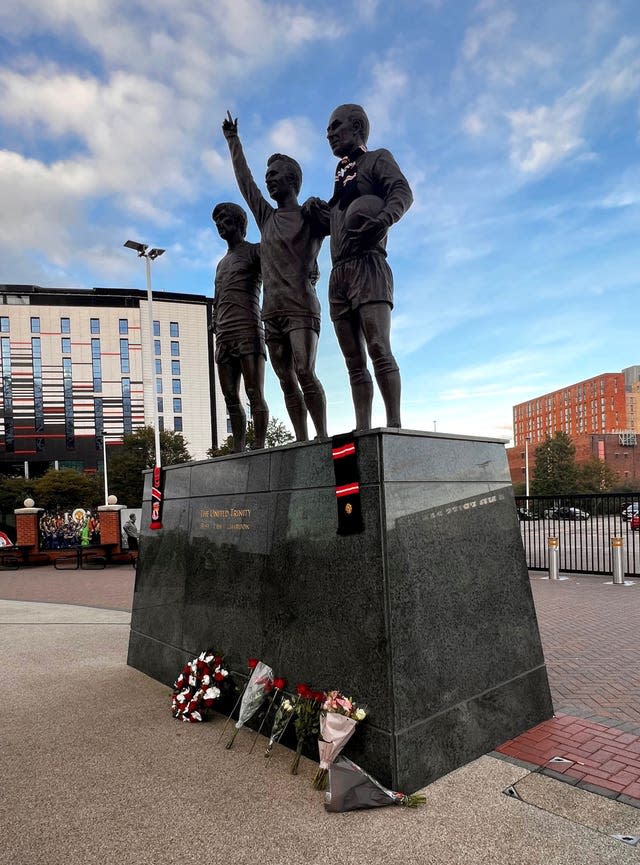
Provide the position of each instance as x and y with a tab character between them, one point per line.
65	489
555	471
277	434
138	452
595	476
13	492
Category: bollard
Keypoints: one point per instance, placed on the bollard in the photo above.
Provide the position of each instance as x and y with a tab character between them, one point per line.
554	559
616	559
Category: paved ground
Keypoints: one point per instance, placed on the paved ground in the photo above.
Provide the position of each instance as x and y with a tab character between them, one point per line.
95	770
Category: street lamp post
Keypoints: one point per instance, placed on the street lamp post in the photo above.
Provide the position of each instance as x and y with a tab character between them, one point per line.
526	466
149	255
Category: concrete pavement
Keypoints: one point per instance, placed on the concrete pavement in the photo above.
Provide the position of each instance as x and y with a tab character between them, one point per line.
95	770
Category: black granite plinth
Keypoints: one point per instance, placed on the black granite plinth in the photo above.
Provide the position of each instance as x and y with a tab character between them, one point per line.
426	617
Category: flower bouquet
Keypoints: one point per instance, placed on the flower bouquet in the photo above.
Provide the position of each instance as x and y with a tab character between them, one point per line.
283	715
259	685
198	686
338	718
277	685
351	788
306	709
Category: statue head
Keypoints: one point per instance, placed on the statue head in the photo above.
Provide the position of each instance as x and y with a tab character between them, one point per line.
283	175
348	128
229	219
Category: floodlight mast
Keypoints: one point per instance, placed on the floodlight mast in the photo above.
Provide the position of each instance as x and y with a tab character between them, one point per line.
149	255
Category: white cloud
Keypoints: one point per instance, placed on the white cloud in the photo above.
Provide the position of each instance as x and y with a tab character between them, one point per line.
543	136
389	83
294	136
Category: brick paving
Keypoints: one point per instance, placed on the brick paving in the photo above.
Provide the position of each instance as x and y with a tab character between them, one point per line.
591	638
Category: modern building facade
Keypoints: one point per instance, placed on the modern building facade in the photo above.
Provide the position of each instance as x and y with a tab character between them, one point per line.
601	415
79	368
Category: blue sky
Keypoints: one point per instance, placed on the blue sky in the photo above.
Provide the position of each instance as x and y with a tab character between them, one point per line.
516	123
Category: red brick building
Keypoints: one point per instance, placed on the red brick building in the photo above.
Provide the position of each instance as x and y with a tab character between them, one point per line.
601	415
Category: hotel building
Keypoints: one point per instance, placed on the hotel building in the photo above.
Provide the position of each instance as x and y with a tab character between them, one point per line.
79	367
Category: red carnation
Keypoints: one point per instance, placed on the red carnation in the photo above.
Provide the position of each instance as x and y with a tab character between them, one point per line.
303	690
279	684
318	696
252	663
218	677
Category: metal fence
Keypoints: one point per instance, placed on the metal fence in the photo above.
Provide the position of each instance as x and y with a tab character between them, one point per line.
584	527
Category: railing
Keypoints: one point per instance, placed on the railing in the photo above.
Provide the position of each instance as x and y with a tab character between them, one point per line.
584	526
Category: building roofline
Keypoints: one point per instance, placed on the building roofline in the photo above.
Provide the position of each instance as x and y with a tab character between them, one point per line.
38	294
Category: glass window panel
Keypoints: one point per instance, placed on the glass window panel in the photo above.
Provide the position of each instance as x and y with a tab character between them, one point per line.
176	385
175	367
35	324
174	328
95	325
156	328
65	325
175	349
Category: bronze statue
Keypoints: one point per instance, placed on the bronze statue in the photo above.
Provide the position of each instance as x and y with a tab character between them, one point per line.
370	194
290	242
240	351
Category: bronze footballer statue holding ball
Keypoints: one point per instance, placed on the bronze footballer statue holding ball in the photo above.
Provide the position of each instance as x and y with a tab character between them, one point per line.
370	194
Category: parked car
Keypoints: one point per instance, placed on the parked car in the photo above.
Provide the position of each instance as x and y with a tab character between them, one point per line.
567	514
635	521
631	510
524	514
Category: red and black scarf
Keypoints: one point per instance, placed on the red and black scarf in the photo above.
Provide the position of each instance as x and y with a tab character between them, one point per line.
344	453
345	189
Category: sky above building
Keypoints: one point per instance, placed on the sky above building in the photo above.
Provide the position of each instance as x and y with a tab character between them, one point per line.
517	125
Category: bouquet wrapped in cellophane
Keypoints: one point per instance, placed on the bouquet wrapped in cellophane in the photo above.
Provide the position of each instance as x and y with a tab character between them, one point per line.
339	716
351	788
259	685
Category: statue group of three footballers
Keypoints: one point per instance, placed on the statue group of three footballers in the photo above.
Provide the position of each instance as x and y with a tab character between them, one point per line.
285	260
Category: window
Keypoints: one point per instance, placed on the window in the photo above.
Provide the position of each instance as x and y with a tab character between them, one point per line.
176	385
96	365
156	346
123	325
126	406
94	325
158	385
174	328
156	328
35	324
161	424
177	424
177	405
175	367
158	366
67	389
7	395
175	349
98	408
4	324
124	355
38	403
160	404
65	345
65	325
